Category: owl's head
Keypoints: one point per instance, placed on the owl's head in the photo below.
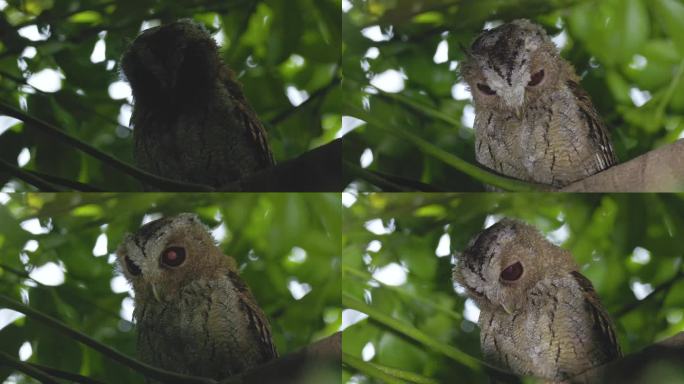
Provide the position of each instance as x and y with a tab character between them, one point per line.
503	262
172	61
511	65
164	255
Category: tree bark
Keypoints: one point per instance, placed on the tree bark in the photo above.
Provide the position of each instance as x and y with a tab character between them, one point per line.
318	170
660	170
311	364
662	362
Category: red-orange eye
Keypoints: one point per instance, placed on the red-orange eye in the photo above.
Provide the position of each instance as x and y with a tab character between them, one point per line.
173	256
132	268
536	78
512	272
484	88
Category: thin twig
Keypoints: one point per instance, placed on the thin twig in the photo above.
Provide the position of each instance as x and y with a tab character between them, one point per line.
29	178
124	167
455	162
81	106
314	96
660	288
660	109
369	369
145	369
28	369
405	375
27	276
412	333
72	377
66	183
412	296
379	181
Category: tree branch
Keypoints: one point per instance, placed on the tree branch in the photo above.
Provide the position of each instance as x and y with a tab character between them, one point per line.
318	170
643	366
660	170
294	367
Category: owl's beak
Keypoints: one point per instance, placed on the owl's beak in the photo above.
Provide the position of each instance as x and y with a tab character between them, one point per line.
155	292
514	98
519	113
506	308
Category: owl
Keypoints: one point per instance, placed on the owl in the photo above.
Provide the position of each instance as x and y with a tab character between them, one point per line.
538	315
533	121
193	313
191	121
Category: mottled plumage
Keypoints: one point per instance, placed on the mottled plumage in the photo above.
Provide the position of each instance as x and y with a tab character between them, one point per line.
533	121
197	317
539	316
191	120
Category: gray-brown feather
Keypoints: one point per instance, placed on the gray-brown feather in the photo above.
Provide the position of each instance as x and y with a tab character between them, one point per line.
197	316
191	119
548	133
549	323
206	330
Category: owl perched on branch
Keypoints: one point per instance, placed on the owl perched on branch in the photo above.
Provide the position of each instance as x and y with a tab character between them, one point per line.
533	121
193	312
539	315
191	121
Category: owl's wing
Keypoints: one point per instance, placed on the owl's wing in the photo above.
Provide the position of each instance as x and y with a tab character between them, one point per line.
249	117
598	133
257	320
602	325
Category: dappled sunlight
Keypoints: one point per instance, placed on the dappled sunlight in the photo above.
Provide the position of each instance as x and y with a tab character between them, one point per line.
99	50
391	274
391	81
50	274
100	248
444	246
366	158
46	80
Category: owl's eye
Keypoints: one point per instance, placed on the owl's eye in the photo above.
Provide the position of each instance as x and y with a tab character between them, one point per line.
173	256
536	78
484	88
512	272
132	268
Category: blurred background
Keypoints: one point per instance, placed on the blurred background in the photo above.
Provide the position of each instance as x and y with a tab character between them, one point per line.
397	265
401	61
58	258
59	63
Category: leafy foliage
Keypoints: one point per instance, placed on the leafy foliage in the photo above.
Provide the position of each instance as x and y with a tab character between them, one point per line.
272	55
627	52
280	241
397	259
